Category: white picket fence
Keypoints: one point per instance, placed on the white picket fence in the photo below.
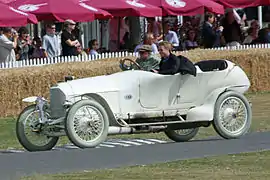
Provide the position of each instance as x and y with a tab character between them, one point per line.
65	59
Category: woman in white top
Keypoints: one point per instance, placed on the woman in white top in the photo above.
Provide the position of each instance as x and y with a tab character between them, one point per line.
148	40
93	47
252	35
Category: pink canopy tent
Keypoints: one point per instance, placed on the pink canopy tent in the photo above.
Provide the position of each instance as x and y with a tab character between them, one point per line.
243	3
187	7
6	1
10	17
122	8
60	10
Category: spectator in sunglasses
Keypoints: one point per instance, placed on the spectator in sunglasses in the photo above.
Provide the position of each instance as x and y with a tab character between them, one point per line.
51	42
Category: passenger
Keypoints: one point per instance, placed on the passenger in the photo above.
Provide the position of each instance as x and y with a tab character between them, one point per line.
170	63
147	61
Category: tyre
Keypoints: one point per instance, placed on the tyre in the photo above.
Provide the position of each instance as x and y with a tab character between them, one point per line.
87	124
27	123
181	135
232	115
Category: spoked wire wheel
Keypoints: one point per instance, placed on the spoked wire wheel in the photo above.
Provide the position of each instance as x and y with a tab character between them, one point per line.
31	134
87	124
232	115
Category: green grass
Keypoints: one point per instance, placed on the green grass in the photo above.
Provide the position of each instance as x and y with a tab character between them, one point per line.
246	166
261	122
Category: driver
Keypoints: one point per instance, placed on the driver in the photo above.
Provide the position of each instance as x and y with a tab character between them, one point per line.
146	60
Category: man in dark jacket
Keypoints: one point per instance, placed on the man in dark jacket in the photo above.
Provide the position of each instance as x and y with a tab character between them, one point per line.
210	37
170	64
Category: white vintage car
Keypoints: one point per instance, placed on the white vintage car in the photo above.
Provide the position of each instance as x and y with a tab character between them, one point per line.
88	110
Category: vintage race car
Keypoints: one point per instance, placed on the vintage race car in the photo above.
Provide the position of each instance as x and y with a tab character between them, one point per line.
87	110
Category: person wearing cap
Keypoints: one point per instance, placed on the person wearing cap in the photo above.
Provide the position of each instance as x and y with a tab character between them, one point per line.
68	40
147	61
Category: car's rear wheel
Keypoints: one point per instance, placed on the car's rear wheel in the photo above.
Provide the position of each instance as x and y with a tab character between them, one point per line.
181	135
232	115
87	124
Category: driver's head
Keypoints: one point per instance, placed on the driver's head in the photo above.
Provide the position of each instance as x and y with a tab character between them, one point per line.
145	51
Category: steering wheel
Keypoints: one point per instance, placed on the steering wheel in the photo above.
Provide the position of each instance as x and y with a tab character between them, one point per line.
131	62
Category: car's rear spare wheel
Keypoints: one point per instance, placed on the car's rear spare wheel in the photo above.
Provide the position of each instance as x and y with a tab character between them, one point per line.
181	135
87	124
232	115
31	134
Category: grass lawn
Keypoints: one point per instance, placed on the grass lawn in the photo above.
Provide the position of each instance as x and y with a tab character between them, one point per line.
248	166
261	122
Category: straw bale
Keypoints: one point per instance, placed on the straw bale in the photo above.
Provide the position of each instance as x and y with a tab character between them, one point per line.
19	83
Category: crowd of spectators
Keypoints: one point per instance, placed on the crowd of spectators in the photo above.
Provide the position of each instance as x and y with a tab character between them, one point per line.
18	45
230	29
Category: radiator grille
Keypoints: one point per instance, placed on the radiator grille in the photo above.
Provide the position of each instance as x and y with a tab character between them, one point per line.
57	99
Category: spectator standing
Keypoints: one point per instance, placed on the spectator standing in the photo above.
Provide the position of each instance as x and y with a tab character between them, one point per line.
171	36
51	42
7	46
78	32
262	37
113	30
190	42
155	28
38	50
210	37
24	43
68	40
252	35
232	29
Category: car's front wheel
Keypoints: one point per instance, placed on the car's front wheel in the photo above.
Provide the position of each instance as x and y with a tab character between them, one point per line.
87	124
32	135
232	115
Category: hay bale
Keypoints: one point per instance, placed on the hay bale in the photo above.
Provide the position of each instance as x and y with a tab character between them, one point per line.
19	83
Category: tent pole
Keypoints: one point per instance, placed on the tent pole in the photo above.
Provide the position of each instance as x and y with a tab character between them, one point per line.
260	16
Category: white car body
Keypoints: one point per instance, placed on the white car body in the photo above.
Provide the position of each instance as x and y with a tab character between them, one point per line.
135	100
146	94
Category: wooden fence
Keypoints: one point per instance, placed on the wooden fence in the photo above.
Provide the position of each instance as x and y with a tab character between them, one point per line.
46	61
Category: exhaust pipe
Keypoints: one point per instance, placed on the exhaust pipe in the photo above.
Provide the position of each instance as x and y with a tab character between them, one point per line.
114	130
120	130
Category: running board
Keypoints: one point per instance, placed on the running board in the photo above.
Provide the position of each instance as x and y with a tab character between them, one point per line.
156	123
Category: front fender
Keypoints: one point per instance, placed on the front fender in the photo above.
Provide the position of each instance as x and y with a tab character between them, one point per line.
32	99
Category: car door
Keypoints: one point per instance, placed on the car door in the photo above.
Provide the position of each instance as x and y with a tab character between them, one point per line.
188	89
152	90
164	91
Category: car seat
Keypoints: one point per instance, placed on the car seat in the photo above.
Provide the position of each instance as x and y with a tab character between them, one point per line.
212	65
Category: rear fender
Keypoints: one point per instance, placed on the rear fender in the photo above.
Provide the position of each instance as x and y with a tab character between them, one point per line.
205	112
